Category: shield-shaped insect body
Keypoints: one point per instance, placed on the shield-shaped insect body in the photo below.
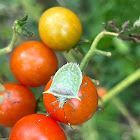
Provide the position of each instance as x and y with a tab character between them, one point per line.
66	83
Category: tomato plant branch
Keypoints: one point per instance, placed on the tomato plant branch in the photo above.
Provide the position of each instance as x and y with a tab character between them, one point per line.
122	85
4	138
19	28
61	2
69	56
11	45
93	49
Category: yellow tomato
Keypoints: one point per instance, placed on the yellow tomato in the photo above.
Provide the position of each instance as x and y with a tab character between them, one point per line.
59	28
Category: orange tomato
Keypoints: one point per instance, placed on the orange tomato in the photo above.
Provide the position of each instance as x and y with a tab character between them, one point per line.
28	128
84	108
18	102
101	91
59	28
33	63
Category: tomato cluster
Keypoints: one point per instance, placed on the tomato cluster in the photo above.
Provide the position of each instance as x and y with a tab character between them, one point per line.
33	63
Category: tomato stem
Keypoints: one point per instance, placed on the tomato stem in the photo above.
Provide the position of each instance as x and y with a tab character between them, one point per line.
11	45
61	3
69	56
96	82
2	89
18	28
122	85
93	49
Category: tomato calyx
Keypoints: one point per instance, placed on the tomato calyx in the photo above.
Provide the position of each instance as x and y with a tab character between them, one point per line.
20	27
1	99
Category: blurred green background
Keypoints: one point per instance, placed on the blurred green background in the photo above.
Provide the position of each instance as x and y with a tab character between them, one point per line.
112	123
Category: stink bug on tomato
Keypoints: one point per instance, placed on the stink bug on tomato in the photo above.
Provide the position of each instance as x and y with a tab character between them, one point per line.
66	83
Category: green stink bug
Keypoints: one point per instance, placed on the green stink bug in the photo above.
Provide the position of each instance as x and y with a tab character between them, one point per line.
66	83
65	86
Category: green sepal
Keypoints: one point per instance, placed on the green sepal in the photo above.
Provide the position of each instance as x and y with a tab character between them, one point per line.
1	99
20	27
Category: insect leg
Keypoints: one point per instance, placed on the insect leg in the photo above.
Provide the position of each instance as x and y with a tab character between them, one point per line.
83	96
84	83
73	107
51	112
41	119
53	106
66	117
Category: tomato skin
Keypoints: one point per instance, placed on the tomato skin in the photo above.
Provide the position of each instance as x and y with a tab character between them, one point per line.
33	63
28	128
101	91
59	28
84	108
18	103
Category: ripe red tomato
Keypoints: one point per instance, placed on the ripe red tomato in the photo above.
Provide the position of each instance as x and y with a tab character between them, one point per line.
59	28
28	128
84	108
18	102
33	63
101	91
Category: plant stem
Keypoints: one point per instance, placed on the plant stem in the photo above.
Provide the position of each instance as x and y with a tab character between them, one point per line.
69	56
61	3
11	45
93	49
122	85
128	116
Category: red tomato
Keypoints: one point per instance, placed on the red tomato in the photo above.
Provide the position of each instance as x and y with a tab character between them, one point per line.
59	28
18	102
84	108
33	63
28	128
101	91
